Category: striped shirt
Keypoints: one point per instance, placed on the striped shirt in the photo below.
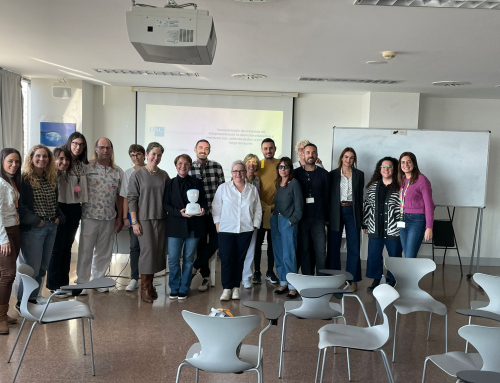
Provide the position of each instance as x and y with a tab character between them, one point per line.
345	188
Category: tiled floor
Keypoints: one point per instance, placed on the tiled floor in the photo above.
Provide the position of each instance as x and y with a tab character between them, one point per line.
139	342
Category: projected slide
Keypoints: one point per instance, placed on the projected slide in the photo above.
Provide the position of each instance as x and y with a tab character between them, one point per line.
232	133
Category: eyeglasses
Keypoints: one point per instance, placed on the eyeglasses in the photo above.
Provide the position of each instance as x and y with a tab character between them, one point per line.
286	167
386	167
104	147
132	155
77	144
238	171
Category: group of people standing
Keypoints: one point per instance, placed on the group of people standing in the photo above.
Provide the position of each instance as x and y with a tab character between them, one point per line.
44	200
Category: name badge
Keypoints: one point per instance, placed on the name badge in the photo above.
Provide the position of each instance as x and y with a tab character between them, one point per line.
401	224
310	200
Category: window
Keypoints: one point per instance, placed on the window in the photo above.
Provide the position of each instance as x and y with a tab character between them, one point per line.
26	91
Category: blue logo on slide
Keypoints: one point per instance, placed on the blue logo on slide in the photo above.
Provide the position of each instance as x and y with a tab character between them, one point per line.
159	131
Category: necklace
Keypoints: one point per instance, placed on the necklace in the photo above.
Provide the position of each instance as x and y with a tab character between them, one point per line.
152	172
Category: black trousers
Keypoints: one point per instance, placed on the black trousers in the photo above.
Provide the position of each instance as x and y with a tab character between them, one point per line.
312	232
206	247
258	249
232	251
58	272
135	252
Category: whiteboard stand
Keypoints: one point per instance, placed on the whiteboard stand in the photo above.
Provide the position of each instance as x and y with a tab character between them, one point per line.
448	240
479	224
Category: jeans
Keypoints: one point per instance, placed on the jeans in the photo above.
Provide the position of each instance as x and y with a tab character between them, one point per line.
36	246
206	248
258	249
180	280
285	245
312	228
60	262
233	249
353	264
412	234
375	263
135	252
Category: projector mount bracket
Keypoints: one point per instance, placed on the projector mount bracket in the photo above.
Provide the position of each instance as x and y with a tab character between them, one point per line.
170	4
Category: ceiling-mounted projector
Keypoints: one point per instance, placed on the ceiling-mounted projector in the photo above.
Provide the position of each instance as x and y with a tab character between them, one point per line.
172	35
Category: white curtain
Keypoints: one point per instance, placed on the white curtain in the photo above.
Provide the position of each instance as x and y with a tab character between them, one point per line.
11	111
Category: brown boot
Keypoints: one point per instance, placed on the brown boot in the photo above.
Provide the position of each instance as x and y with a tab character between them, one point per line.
146	280
152	289
4	327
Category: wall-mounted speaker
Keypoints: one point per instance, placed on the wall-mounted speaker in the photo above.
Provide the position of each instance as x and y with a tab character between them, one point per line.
61	91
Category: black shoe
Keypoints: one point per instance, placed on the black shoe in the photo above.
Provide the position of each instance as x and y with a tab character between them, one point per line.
256	278
173	295
281	292
391	283
375	283
182	296
271	277
292	296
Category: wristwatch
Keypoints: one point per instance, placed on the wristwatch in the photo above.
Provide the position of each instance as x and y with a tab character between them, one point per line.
134	223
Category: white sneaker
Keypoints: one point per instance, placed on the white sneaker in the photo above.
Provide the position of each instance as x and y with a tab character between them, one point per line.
226	295
62	294
103	290
132	286
236	293
247	284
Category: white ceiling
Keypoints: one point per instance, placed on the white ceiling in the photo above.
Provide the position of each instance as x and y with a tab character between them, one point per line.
283	39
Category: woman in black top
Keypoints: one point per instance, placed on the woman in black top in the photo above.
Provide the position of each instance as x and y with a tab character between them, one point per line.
345	198
380	216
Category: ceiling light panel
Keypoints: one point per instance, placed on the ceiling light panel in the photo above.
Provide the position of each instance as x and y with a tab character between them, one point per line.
351	80
146	72
466	4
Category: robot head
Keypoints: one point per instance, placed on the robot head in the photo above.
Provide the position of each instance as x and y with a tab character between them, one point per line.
193	195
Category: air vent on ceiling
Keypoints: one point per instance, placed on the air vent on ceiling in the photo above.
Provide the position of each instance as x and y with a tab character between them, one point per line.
350	80
249	76
450	83
147	72
466	4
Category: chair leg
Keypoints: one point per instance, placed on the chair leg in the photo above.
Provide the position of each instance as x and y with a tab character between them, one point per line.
91	347
282	348
259	377
446	333
323	365
348	365
394	343
179	371
376	316
317	366
83	337
429	329
24	352
197	375
425	367
388	368
335	348
466	342
17	338
262	370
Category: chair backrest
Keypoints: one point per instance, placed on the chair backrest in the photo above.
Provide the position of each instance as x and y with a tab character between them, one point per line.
491	286
219	338
486	340
29	285
315	308
408	272
385	296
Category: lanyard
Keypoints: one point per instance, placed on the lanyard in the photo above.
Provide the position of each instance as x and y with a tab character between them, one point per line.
402	196
309	179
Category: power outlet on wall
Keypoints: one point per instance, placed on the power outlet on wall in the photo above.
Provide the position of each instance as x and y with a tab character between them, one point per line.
398	132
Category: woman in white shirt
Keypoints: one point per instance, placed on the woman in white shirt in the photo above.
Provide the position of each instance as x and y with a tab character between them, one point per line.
237	213
10	236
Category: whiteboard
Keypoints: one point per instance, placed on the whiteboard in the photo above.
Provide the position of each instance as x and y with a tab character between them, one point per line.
455	162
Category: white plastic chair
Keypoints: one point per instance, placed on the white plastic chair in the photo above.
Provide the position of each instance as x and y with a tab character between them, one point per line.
408	272
487	342
220	347
49	313
491	286
360	338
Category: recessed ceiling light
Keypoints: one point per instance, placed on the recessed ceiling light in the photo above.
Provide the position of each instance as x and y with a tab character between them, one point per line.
147	72
350	80
376	62
464	4
249	76
450	83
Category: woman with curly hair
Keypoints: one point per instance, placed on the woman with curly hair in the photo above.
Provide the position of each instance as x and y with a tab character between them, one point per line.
39	213
381	214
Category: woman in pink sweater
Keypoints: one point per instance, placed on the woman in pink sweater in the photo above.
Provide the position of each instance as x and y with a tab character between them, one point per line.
417	207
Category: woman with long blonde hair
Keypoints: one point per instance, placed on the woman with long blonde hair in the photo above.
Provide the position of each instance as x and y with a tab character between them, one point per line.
39	213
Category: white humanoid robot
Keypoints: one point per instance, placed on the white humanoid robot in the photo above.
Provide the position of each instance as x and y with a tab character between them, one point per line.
193	208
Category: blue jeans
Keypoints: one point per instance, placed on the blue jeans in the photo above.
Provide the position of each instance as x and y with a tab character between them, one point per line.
180	280
284	247
353	264
412	234
375	263
36	246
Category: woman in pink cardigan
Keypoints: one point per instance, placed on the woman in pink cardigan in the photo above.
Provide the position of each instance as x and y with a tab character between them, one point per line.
417	207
